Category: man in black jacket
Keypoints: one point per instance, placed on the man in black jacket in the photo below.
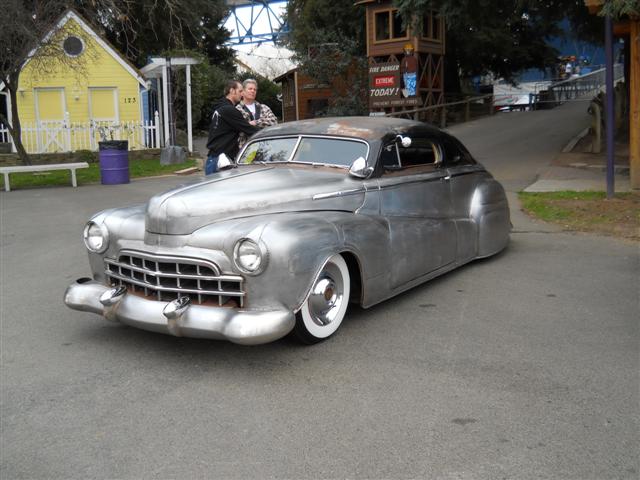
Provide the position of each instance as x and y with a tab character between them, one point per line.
226	125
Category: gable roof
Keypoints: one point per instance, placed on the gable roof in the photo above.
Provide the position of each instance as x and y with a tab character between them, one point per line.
285	75
72	14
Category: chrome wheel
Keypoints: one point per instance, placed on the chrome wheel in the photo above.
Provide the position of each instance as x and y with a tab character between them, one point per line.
325	307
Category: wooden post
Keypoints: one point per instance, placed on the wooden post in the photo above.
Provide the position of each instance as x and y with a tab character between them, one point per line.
67	127
189	126
165	103
467	110
156	124
634	105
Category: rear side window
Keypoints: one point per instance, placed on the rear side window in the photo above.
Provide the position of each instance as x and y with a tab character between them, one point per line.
421	152
455	154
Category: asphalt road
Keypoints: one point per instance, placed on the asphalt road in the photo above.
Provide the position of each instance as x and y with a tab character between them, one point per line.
525	365
518	146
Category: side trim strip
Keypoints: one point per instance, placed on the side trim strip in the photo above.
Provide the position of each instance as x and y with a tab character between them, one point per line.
343	193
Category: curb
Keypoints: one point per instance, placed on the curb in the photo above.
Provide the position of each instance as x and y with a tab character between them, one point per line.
618	169
572	143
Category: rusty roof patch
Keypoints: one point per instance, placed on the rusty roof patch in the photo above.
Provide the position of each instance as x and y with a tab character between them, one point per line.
341	128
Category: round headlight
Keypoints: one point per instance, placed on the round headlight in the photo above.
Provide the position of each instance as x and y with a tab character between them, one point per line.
96	237
249	257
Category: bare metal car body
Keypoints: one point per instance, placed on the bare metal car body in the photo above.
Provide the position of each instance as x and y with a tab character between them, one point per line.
404	204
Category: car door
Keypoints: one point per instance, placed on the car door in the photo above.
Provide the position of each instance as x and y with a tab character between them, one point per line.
415	200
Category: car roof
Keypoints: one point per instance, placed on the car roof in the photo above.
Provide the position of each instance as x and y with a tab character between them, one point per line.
368	128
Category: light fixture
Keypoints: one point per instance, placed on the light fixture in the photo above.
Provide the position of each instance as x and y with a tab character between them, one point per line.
250	257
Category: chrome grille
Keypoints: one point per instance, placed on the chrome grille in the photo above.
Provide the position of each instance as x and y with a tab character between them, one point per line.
166	278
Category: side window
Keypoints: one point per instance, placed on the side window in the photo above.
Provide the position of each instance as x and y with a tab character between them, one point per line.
421	152
455	154
389	156
421	156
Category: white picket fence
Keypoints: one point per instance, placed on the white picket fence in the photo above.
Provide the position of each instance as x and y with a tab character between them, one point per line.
66	136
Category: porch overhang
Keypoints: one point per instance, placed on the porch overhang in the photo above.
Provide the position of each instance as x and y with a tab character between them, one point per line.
157	68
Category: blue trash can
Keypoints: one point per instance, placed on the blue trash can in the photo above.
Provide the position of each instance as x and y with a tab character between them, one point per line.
114	162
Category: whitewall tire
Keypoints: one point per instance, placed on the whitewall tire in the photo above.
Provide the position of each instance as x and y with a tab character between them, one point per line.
326	305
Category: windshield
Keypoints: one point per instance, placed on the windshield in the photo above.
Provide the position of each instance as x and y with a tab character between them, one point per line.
311	150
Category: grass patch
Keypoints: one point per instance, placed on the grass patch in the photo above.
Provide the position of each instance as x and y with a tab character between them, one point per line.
137	169
587	211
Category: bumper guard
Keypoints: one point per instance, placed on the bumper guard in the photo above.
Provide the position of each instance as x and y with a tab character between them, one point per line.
179	317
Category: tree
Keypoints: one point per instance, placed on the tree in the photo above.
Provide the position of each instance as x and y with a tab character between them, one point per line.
501	37
620	8
328	41
23	30
171	25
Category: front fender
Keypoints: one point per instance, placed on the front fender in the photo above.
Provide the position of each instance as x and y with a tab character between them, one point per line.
123	224
296	243
298	246
300	243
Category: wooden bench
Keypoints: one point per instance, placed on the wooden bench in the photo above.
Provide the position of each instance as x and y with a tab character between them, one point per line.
42	168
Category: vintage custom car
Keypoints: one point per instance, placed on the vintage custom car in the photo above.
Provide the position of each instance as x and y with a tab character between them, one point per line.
314	215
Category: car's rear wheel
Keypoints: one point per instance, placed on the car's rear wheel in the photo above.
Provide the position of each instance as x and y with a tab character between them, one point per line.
322	313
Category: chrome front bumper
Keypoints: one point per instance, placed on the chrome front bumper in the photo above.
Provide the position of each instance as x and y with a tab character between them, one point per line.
245	327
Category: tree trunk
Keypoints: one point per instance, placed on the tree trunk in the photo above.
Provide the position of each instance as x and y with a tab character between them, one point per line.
14	129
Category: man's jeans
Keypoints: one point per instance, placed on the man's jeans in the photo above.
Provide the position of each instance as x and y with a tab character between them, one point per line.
211	164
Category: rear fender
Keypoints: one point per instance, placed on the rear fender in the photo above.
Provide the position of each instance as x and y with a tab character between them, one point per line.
490	211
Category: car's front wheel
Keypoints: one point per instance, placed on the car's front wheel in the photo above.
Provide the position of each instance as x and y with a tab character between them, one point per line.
326	305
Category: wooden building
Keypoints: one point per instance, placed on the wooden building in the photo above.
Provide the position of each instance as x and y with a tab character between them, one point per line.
629	30
390	46
302	96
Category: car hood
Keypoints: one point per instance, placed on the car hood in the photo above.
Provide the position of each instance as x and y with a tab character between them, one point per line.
248	191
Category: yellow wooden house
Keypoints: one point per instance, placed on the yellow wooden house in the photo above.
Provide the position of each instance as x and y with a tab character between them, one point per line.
86	94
